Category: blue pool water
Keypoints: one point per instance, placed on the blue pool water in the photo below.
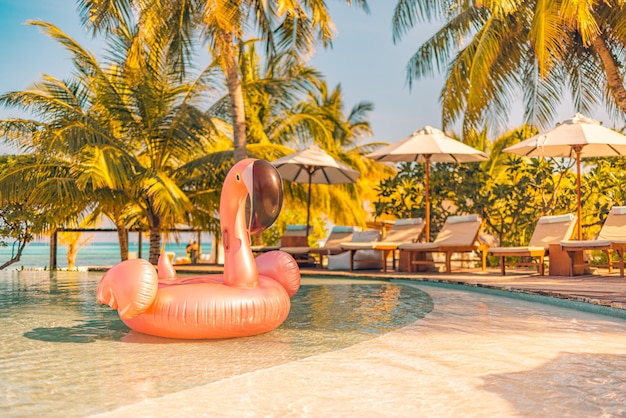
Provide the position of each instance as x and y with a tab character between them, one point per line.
61	354
349	348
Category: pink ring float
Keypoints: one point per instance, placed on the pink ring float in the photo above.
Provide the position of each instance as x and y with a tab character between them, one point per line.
251	297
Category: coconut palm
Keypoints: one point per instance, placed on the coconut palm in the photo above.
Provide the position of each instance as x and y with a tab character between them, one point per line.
273	88
338	132
289	106
540	48
225	26
347	128
126	133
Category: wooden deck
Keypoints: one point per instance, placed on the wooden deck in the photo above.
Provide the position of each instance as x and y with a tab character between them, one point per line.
600	288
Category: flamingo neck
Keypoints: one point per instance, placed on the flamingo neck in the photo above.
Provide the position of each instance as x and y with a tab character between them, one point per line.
240	268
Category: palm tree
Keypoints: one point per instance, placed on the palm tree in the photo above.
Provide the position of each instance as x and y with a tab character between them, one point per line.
347	128
289	106
281	25
338	132
491	50
127	133
273	89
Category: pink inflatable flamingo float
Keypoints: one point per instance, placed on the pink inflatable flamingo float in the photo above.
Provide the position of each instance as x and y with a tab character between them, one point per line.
251	297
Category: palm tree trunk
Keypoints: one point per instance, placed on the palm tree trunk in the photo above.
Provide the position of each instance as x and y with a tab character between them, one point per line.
228	52
614	79
154	222
122	237
155	242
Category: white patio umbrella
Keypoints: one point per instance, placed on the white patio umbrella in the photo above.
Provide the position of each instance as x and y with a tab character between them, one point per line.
578	137
314	166
428	145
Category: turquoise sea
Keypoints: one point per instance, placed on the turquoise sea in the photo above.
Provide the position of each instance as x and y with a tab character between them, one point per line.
37	254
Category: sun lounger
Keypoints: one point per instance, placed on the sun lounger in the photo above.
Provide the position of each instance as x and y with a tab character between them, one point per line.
612	238
459	234
402	231
363	259
294	236
332	245
549	230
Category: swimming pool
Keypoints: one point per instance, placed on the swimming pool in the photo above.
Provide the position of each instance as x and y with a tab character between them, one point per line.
349	347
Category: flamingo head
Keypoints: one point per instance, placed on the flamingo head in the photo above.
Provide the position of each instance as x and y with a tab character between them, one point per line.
252	189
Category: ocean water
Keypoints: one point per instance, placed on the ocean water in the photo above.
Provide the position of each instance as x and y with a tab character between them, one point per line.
37	254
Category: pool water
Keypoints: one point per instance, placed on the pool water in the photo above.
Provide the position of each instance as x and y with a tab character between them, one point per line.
349	348
61	354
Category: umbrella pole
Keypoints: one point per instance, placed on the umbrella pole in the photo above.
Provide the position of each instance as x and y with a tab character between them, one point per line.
427	216
308	208
578	149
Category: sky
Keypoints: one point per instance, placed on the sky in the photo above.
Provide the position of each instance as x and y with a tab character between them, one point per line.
363	59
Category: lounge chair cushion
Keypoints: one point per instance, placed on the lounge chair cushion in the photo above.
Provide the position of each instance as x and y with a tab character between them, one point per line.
618	210
339	234
402	231
419	246
408	221
458	231
588	243
331	246
549	230
613	231
555	219
342	262
363	259
612	236
614	227
357	245
462	218
552	230
366	237
515	250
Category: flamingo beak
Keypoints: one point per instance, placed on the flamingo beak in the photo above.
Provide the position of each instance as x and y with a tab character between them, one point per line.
265	190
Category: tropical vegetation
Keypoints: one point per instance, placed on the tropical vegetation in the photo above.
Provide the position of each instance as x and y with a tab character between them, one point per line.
122	139
22	217
144	139
493	51
509	192
226	27
132	138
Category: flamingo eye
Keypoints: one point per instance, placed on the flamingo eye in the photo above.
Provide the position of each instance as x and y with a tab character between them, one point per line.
238	177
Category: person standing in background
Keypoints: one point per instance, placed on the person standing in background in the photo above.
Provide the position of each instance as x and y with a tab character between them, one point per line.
192	250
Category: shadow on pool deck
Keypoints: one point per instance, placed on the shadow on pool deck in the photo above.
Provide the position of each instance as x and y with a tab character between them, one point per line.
600	288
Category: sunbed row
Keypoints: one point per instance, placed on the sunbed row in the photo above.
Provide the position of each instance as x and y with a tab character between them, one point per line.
348	248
